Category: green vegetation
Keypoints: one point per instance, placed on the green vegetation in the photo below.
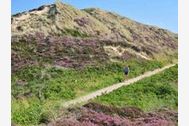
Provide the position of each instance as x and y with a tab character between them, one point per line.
148	94
75	38
74	33
31	109
53	83
40	89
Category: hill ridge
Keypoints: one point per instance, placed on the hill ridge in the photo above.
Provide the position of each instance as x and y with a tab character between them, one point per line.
114	36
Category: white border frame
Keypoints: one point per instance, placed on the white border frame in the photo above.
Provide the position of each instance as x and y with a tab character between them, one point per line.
5	63
183	73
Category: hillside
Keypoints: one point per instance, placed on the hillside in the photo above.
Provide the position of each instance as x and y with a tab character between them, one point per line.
68	37
60	53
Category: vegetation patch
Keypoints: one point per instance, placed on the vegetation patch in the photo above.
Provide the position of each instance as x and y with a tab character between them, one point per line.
74	33
86	116
155	92
52	86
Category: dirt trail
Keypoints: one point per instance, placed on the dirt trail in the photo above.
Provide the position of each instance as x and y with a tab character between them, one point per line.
113	87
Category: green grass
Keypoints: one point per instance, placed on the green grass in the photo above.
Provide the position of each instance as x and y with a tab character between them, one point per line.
53	83
31	109
74	33
149	94
47	88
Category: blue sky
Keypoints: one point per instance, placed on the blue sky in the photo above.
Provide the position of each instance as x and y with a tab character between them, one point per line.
162	13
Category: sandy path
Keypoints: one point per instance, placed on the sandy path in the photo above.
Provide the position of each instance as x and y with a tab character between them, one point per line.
113	87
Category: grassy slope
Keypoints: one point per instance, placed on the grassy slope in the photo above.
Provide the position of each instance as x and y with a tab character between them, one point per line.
46	88
151	93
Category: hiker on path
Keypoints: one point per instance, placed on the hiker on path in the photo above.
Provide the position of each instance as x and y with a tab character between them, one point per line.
126	71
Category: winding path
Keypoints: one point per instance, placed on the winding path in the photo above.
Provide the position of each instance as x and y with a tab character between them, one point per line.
113	87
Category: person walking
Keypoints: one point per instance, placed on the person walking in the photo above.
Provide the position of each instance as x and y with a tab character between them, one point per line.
126	72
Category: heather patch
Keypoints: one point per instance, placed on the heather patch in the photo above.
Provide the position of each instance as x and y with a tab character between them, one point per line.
90	117
69	52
